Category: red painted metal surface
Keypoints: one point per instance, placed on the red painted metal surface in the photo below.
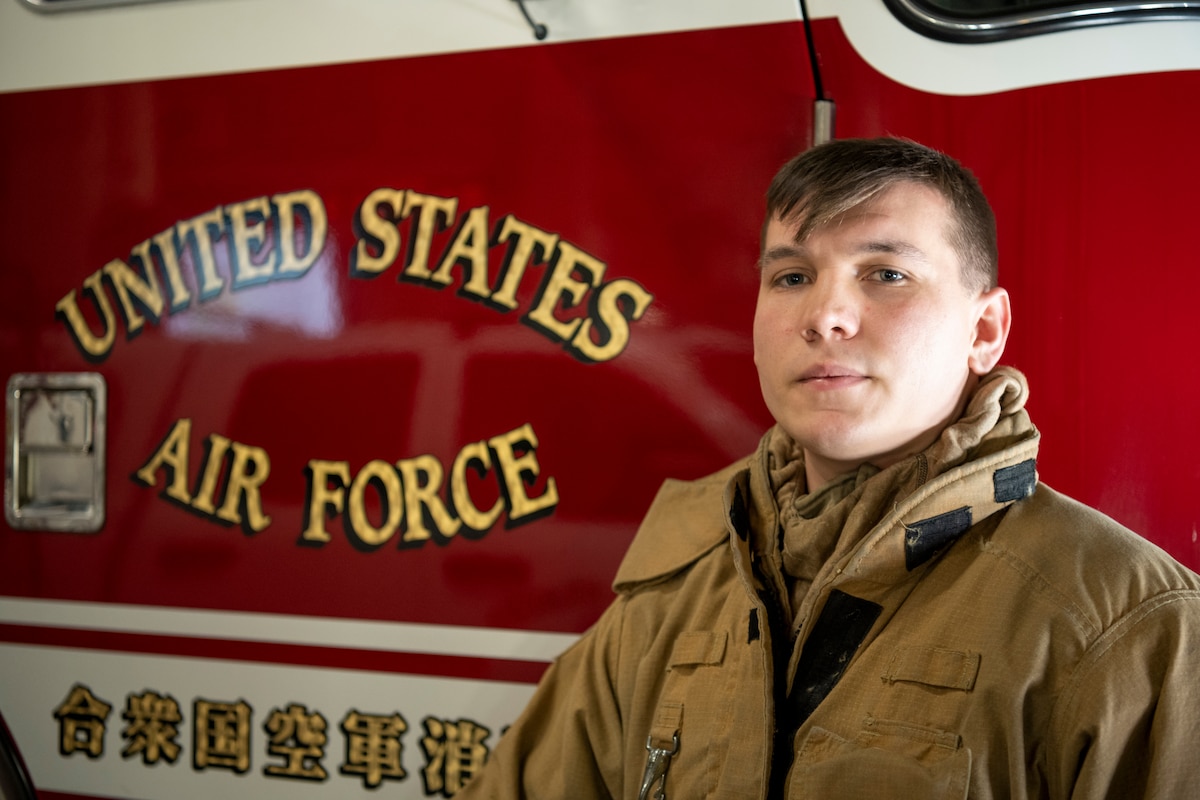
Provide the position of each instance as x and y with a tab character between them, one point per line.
333	367
570	139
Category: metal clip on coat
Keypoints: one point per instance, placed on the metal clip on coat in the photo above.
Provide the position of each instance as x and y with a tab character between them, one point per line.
657	763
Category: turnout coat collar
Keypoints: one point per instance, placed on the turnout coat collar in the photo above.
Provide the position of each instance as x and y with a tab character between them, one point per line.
683	523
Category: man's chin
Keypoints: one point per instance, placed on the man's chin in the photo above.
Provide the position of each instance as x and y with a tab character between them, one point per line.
833	438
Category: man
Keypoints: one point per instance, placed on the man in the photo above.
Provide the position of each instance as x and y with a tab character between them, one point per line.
883	601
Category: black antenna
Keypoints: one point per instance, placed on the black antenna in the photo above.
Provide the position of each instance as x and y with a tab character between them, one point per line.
823	108
540	31
818	85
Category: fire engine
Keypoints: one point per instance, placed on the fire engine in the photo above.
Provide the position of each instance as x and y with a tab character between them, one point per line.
346	343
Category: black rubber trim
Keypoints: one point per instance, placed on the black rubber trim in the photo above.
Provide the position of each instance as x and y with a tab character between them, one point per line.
937	23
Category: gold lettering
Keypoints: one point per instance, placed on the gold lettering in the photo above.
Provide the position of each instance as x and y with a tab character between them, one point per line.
214	459
612	319
205	263
145	289
562	285
248	230
420	494
470	246
173	454
321	495
385	474
308	204
430	210
284	235
411	495
518	471
95	347
471	516
519	257
250	468
381	231
166	243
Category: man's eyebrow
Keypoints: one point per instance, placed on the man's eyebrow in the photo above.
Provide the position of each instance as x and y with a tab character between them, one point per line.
896	247
782	251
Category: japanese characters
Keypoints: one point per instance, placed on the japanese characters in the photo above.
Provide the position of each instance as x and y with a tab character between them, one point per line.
293	742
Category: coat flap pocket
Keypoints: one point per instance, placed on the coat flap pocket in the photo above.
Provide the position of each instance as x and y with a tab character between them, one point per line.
697	648
887	763
933	666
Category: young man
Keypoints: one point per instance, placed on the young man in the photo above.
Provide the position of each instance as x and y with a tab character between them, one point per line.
882	601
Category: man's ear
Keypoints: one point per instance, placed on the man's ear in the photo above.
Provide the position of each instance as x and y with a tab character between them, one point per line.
992	322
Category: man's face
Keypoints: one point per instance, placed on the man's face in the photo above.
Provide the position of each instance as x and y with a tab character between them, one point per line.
865	335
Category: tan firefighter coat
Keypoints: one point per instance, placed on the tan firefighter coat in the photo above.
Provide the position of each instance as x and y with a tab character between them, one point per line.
983	637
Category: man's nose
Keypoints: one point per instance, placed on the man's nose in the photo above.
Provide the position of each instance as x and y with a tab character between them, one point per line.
831	310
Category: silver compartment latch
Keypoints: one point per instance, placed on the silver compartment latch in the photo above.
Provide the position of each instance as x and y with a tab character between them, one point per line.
54	451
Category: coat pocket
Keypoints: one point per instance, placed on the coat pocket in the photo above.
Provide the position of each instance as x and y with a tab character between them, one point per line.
933	666
886	760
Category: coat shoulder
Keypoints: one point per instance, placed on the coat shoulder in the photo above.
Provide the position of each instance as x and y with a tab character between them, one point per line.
1098	567
685	522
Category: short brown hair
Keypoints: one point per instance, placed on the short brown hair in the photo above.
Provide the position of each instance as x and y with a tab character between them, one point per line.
823	183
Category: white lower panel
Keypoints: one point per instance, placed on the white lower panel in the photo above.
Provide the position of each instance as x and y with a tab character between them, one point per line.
35	682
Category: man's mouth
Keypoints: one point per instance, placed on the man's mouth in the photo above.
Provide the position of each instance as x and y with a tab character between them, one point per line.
830	373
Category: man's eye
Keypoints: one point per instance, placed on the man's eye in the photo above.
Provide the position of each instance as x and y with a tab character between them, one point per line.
793	279
889	275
